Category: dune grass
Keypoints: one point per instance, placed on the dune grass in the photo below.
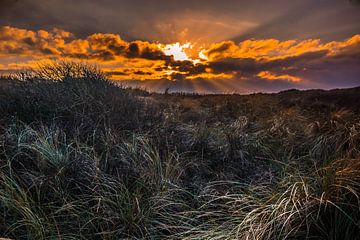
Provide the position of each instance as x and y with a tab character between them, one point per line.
82	158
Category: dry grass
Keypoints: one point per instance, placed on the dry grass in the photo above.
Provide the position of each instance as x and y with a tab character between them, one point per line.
83	159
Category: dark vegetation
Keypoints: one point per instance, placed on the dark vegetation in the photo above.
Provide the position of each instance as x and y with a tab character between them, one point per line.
82	158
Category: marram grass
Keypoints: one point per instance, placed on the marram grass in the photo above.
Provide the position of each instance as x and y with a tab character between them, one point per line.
82	158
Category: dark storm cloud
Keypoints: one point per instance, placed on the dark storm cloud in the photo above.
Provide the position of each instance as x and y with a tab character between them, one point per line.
251	66
155	20
6	5
27	14
295	60
248	65
187	66
328	20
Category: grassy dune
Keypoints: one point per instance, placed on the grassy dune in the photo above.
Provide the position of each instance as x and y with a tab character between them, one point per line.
81	158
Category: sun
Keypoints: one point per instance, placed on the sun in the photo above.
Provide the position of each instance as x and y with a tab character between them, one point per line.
178	51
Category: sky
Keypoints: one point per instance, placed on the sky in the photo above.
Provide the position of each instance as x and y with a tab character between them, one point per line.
212	46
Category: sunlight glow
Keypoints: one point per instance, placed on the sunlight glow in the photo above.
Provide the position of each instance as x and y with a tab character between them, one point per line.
202	55
178	51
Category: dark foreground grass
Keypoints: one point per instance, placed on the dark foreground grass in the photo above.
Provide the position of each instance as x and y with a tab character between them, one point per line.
81	158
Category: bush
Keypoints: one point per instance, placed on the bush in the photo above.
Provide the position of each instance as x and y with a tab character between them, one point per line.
79	97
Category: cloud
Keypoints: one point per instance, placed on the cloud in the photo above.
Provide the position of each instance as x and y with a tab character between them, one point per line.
307	63
170	21
273	49
25	42
60	43
270	76
256	64
5	5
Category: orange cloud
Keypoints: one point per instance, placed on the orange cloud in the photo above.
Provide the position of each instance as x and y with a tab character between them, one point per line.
270	76
289	61
211	76
272	49
59	43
